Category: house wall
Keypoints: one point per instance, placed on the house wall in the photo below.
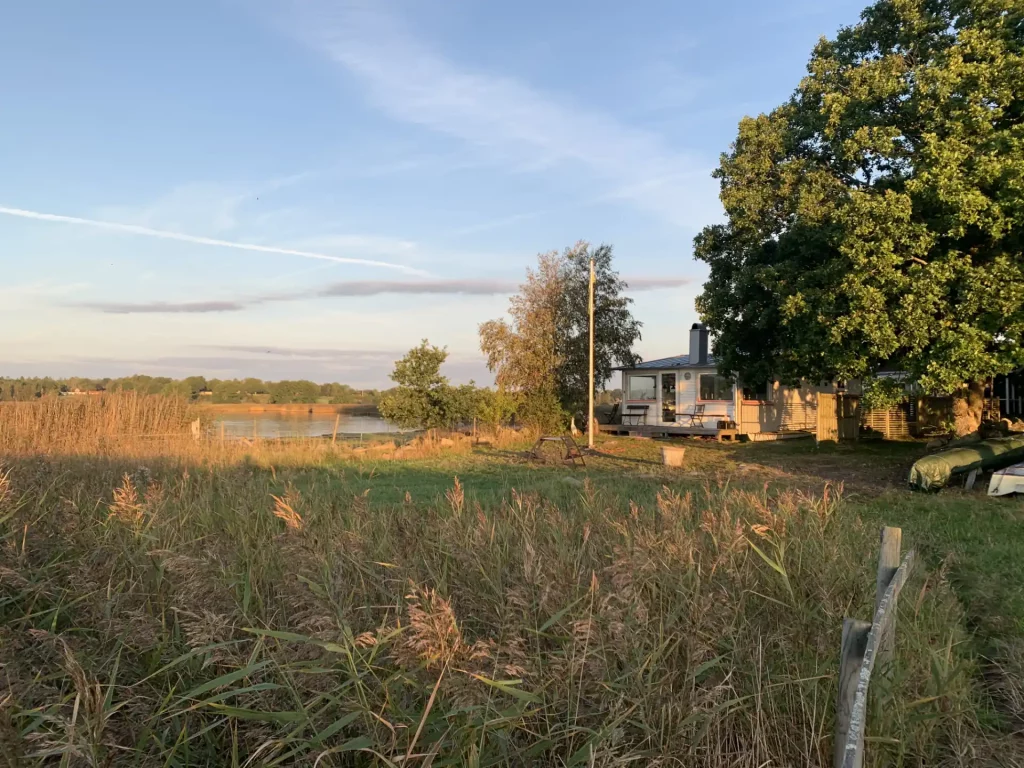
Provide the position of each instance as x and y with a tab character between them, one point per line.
687	396
787	409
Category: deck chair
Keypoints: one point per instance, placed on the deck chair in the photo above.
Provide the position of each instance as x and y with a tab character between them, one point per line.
696	416
613	414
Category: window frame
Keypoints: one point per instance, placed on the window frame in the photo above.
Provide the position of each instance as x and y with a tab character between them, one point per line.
767	395
629	388
732	388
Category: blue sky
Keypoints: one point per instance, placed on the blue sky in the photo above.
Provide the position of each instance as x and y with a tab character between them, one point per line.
397	166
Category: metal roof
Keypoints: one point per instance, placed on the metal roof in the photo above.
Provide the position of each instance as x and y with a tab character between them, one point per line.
679	361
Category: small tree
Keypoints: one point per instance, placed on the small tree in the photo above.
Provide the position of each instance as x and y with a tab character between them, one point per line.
523	354
542	357
423	398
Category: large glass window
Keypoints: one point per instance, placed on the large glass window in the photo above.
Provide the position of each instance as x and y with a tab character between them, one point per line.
643	388
715	387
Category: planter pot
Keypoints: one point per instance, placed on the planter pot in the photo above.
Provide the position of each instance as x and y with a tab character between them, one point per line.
672	457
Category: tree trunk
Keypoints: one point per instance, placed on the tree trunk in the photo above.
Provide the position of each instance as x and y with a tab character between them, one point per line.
968	407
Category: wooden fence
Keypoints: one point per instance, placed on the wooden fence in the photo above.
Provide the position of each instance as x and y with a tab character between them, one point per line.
919	414
838	417
866	645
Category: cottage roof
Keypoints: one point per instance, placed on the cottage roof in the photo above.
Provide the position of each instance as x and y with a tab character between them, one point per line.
665	363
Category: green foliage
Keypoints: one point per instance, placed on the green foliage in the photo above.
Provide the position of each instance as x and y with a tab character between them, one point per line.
496	407
878	216
541	358
523	353
423	398
882	393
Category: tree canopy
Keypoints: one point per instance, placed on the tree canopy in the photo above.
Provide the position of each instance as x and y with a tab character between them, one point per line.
195	387
877	218
523	354
424	399
541	357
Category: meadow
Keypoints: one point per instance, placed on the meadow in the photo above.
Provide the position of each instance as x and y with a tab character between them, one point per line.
174	602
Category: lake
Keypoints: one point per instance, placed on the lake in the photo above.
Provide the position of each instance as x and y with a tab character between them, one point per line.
273	425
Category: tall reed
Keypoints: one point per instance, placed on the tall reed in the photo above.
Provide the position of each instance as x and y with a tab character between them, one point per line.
89	424
170	615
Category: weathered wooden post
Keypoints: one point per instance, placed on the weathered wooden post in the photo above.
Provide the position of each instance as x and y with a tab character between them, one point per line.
888	564
334	435
851	656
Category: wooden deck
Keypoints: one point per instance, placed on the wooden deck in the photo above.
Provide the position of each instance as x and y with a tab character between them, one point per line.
655	430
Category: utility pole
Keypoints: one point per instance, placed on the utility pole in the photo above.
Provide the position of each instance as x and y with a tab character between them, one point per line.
590	393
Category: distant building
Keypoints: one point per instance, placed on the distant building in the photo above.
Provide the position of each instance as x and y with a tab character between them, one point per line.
80	392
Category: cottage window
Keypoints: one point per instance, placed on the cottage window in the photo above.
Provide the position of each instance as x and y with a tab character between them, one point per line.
758	393
642	388
715	387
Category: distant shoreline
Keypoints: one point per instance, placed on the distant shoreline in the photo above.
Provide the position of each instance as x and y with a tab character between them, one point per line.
350	409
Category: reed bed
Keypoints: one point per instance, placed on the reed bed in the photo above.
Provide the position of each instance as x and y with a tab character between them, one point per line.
81	425
255	613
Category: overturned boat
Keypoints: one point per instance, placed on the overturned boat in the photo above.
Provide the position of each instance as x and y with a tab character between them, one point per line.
934	472
1007	481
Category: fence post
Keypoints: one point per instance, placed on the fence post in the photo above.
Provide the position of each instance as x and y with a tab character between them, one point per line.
888	564
851	655
334	435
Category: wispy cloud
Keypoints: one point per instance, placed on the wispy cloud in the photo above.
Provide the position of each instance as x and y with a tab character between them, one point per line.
353	289
134	229
421	287
363	355
506	117
163	307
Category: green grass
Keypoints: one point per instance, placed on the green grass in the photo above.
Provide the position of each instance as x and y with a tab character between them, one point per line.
525	614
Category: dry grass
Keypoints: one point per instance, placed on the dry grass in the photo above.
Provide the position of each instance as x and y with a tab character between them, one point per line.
212	620
114	423
300	604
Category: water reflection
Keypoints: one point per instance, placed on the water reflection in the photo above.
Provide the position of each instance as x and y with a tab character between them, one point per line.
274	425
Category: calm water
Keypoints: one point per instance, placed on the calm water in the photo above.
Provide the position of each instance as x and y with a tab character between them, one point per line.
270	425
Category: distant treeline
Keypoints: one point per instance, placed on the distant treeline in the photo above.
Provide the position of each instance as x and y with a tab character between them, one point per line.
195	387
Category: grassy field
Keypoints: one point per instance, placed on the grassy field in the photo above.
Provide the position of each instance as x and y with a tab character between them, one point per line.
188	603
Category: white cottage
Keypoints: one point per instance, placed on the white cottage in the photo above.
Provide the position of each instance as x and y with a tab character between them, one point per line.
682	391
686	395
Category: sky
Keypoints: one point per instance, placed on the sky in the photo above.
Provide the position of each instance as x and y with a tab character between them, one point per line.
307	189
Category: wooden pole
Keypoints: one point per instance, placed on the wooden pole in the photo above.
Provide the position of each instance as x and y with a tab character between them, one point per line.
334	435
888	564
851	656
590	392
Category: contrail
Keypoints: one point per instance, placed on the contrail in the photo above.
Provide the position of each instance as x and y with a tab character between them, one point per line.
137	230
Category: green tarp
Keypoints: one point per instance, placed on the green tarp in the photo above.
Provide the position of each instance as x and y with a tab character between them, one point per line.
933	472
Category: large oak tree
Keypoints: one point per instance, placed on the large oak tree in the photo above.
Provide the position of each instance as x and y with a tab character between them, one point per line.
877	218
